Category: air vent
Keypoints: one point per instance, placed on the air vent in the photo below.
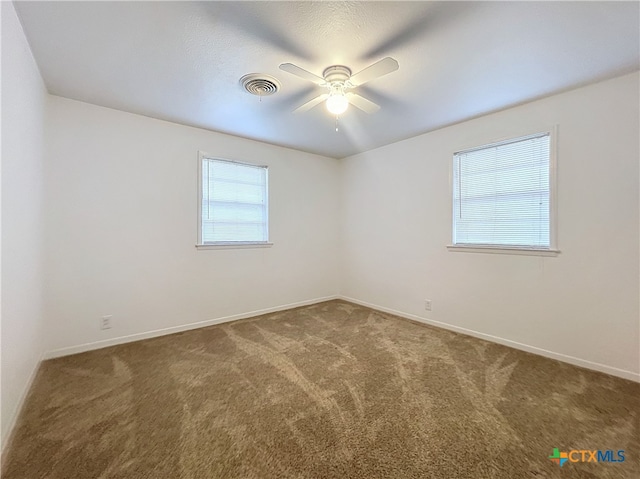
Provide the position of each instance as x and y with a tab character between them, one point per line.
260	84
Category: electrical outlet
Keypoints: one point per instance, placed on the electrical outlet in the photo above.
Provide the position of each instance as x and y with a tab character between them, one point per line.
105	322
427	304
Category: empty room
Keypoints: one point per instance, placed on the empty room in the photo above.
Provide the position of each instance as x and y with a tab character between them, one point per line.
256	240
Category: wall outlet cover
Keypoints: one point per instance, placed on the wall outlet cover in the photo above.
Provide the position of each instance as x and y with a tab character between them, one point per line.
105	322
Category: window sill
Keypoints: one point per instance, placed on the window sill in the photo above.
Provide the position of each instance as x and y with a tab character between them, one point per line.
235	245
503	250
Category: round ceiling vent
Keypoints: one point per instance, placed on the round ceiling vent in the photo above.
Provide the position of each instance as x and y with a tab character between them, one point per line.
260	84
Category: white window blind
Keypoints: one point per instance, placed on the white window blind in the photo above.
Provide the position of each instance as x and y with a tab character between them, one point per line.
501	194
234	201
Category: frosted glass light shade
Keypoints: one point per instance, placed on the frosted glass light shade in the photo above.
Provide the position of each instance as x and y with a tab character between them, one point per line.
337	103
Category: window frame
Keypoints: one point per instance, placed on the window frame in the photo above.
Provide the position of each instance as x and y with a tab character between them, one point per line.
552	250
230	244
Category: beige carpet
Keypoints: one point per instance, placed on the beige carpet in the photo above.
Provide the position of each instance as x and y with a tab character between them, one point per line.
332	390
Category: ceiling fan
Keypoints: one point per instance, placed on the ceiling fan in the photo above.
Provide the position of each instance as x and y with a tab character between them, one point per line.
338	80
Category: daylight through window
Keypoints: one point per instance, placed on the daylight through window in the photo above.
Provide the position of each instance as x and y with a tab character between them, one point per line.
234	203
501	194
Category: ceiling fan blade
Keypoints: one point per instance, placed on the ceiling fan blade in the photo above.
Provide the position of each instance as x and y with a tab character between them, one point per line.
311	103
426	19
378	69
254	21
301	72
362	103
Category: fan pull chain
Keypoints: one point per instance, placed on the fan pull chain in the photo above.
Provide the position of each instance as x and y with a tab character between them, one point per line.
337	123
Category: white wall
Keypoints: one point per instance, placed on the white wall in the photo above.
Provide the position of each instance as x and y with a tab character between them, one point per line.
121	203
113	229
23	104
583	303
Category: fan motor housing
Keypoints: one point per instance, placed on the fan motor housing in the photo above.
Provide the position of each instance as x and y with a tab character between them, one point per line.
336	73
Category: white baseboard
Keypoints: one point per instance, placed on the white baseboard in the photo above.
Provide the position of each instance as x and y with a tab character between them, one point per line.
81	348
6	444
622	373
469	332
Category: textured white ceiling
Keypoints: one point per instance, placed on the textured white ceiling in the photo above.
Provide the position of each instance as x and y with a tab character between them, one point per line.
181	61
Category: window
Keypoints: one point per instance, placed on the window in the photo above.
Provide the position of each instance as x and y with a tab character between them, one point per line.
503	195
233	203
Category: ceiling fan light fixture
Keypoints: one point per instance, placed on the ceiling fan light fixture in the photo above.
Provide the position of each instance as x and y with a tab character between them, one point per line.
339	81
337	103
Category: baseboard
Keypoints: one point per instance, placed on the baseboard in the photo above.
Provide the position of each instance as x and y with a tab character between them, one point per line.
622	373
6	444
469	332
81	348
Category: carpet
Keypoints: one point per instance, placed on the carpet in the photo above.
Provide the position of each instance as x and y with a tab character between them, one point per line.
332	390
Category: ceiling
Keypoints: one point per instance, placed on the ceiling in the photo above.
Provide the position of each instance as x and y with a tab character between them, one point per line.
181	61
